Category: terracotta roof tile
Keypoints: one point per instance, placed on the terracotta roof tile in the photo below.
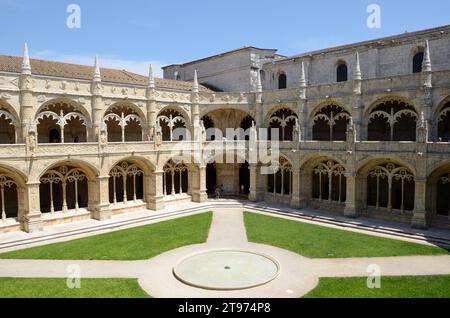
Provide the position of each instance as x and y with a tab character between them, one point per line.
13	64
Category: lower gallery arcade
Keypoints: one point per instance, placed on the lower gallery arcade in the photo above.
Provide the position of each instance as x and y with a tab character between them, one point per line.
73	190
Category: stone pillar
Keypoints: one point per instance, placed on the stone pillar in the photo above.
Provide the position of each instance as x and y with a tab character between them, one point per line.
27	104
419	219
295	200
97	114
305	189
351	204
32	219
101	206
199	191
253	195
154	195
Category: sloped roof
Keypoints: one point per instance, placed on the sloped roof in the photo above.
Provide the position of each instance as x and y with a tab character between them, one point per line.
13	64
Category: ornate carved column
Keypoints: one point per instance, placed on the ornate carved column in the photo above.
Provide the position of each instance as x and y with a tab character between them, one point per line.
96	103
32	218
27	101
99	189
358	107
153	185
303	107
151	106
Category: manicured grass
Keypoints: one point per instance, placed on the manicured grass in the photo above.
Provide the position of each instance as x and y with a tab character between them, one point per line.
391	287
57	288
138	243
315	241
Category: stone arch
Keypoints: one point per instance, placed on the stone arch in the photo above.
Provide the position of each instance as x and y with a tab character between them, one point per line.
125	122
280	182
276	108
67	186
387	186
442	120
126	181
285	120
329	121
63	120
9	124
229	117
176	178
12	194
185	113
324	179
391	118
438	194
170	119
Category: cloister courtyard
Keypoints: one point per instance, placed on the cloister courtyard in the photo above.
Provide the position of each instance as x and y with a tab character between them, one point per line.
143	254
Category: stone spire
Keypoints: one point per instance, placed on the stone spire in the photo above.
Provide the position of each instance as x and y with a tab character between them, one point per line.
97	75
426	66
151	79
195	83
302	75
26	66
357	76
259	87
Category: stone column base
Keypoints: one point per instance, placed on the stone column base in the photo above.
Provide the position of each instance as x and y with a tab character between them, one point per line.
156	204
295	203
419	221
102	213
32	223
351	212
199	197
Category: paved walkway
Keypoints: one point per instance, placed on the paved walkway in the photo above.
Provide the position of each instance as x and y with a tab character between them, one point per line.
298	275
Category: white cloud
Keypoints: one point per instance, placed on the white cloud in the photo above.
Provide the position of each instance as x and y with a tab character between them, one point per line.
139	67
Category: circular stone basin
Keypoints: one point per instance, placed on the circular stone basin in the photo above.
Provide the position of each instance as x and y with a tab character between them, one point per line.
226	270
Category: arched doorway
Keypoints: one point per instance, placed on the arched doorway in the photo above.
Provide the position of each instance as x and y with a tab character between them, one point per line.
244	179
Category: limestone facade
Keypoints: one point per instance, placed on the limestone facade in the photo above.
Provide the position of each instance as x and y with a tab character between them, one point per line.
375	145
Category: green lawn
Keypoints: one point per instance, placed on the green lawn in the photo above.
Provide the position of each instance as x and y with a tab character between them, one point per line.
138	243
391	287
315	241
57	288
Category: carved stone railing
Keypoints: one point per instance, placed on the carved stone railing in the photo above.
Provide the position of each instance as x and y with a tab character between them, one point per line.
18	151
225	98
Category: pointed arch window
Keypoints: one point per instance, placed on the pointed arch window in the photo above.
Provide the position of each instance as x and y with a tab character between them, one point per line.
282	81
342	72
170	120
418	62
280	183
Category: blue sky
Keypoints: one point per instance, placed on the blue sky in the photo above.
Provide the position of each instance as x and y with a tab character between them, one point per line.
130	34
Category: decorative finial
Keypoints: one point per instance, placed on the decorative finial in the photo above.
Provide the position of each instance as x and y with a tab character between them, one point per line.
151	79
26	66
357	76
195	83
97	75
302	75
426	66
